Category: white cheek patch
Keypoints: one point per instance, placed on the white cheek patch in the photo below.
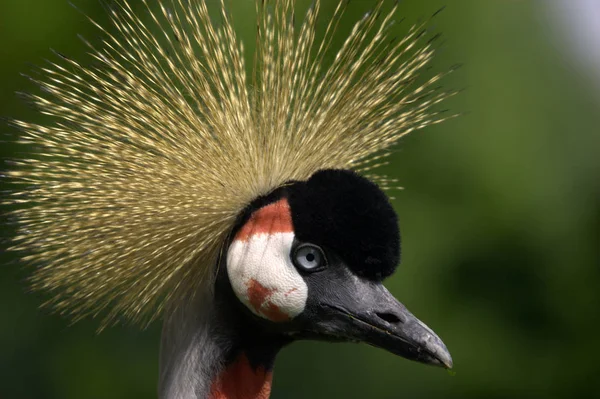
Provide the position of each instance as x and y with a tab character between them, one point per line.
260	269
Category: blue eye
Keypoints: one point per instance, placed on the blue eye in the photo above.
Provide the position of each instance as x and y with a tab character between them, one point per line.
309	257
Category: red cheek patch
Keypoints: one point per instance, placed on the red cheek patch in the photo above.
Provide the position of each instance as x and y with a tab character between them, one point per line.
258	296
259	266
271	219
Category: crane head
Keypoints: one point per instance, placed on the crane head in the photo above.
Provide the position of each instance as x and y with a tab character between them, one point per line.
308	262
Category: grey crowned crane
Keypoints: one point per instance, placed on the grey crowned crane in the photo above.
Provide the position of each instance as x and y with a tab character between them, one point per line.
240	210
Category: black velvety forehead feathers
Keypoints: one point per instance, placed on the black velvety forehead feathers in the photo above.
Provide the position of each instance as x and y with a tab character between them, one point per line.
347	213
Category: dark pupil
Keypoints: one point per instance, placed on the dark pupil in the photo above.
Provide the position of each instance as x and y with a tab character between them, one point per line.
310	257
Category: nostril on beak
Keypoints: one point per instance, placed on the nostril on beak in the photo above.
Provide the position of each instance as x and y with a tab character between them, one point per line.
389	317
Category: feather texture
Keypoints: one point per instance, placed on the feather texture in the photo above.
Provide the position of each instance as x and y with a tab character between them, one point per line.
153	151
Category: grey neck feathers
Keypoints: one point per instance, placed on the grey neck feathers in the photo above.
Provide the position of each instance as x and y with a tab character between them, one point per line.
194	345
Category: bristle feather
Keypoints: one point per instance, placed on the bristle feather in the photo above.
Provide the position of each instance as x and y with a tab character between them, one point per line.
156	150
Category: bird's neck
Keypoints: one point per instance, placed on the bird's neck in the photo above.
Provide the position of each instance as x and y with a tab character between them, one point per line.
206	354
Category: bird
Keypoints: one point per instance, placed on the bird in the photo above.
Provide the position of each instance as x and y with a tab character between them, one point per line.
234	198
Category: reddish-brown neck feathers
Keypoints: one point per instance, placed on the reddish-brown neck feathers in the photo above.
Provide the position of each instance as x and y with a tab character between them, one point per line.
240	381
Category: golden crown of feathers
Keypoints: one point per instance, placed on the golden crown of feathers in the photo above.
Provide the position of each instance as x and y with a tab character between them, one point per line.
155	150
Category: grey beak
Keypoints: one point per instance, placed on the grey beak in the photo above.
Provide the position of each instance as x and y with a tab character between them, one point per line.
372	315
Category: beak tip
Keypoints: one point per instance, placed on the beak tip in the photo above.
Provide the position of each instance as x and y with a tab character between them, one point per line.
437	353
443	358
447	363
439	359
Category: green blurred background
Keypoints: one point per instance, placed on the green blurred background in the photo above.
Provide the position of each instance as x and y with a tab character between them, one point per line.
500	219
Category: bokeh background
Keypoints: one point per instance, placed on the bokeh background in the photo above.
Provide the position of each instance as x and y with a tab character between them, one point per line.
500	219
